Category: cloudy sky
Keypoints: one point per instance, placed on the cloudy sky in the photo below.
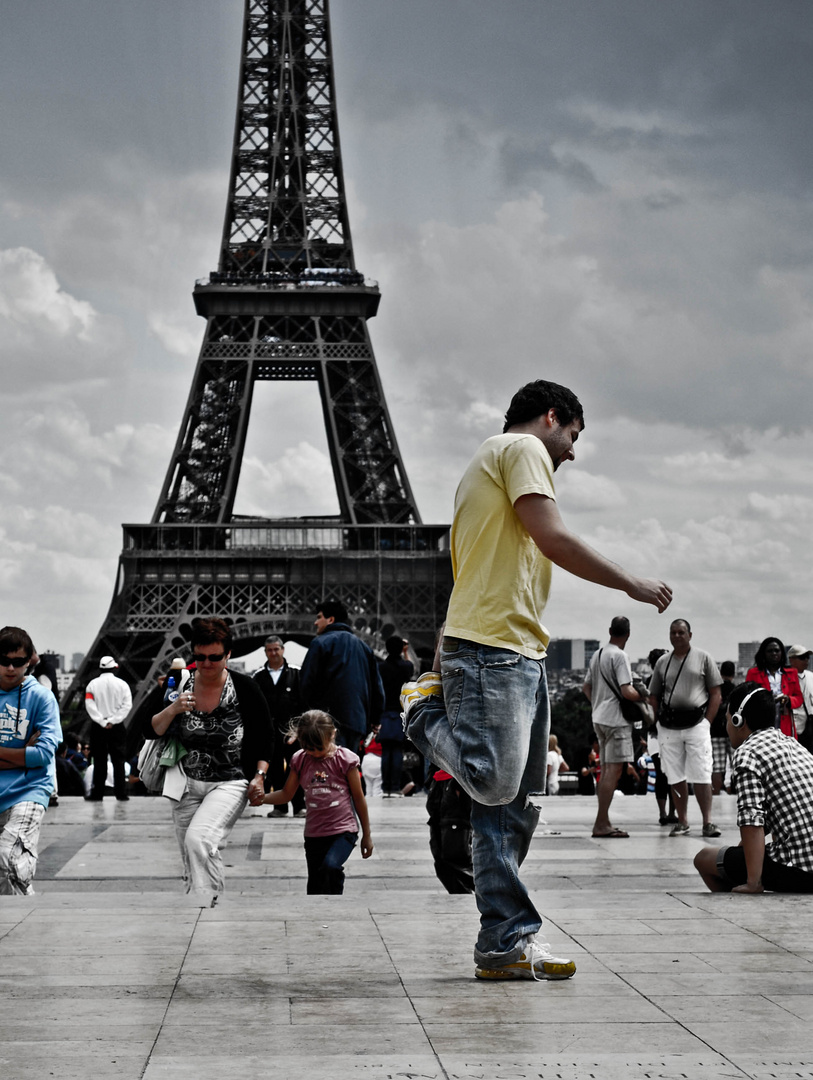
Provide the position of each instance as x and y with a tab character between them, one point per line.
614	194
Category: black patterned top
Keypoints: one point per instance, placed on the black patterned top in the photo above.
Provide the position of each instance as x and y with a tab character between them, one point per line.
213	740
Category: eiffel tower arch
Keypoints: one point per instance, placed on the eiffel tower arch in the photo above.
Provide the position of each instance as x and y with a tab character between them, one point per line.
285	303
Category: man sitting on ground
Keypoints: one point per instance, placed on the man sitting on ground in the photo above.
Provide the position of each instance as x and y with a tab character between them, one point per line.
774	795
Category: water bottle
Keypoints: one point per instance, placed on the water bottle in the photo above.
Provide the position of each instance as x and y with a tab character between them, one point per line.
171	692
177	677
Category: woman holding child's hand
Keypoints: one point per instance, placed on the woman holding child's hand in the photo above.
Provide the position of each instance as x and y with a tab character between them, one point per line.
222	721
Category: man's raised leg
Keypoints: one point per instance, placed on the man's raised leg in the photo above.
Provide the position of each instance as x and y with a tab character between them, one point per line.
490	731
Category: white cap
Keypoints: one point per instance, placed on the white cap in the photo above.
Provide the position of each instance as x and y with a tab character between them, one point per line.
798	650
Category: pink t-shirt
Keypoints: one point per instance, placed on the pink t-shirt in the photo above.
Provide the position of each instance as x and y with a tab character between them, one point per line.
327	793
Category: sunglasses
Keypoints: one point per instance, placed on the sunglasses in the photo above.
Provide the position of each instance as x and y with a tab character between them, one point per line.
14	661
201	658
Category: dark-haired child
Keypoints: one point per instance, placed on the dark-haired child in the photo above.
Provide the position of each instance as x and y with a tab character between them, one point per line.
774	795
329	776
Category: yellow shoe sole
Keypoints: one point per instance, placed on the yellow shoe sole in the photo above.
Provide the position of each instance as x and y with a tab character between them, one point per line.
523	971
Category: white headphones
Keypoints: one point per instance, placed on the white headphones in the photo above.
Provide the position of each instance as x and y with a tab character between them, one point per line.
737	719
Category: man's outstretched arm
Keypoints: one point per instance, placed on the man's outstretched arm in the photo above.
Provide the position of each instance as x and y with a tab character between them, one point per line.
540	517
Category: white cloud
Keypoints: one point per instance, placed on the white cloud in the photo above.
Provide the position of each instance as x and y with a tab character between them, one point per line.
581	490
140	238
607	118
674	292
794	510
299	482
714	467
47	336
29	291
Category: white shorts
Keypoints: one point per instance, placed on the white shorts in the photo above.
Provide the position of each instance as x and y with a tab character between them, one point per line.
686	754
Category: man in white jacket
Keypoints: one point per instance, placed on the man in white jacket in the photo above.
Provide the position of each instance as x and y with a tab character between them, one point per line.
108	701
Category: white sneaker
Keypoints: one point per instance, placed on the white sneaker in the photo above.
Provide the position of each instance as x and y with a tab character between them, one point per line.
426	685
536	962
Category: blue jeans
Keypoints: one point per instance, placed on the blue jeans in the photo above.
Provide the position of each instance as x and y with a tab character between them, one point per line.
326	856
490	731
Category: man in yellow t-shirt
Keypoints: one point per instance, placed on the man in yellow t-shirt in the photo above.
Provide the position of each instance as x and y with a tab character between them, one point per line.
483	714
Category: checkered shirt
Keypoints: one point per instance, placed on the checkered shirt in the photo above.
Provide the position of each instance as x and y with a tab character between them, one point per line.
775	791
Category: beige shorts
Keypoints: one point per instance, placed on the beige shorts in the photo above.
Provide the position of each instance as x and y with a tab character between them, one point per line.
686	754
614	744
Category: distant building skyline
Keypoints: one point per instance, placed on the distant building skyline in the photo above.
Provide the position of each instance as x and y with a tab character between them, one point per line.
570	654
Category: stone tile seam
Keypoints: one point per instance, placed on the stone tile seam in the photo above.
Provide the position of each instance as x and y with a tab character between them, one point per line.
732	920
684	1027
15	926
679	1023
151	1050
426	1035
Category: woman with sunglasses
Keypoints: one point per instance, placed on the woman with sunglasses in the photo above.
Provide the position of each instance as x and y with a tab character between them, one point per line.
222	720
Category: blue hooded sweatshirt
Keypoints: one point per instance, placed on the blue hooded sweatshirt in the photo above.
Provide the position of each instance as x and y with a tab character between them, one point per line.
26	709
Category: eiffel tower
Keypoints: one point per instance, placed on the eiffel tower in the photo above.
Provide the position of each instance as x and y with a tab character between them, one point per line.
286	303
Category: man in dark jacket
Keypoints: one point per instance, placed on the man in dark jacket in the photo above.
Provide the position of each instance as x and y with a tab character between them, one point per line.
279	683
340	675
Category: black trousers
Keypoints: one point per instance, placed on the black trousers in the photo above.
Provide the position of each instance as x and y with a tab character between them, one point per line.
103	742
449	810
392	757
776	877
278	771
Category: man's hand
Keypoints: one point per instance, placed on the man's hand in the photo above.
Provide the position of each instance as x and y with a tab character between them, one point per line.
749	887
650	591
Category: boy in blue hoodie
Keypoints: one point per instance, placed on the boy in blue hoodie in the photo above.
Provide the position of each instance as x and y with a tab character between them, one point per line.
30	732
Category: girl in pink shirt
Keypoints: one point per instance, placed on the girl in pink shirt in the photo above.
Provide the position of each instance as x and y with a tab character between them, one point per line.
329	776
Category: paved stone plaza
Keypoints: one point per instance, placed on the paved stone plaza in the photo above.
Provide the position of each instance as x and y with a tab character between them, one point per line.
106	973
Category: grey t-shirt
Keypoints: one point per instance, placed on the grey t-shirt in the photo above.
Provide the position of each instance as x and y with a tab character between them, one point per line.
687	686
615	666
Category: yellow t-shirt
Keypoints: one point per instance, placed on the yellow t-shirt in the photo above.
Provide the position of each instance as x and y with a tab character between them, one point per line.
502	579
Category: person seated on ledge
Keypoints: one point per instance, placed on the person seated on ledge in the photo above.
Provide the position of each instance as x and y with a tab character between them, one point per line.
774	795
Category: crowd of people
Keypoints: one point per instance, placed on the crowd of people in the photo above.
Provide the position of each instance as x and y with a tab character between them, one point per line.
286	737
671	735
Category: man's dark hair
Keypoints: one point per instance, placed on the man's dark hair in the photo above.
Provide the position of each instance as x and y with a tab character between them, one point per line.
212	631
71	739
394	645
654	656
13	638
620	626
759	656
685	622
334	609
760	712
727	668
536	398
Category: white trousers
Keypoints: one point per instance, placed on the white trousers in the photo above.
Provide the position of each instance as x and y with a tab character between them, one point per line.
204	817
371	771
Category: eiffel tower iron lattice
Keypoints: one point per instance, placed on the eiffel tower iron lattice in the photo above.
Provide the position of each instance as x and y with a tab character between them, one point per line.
286	303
